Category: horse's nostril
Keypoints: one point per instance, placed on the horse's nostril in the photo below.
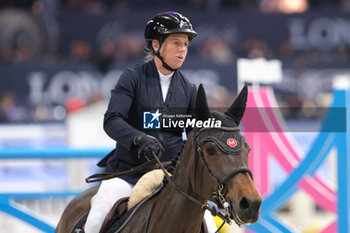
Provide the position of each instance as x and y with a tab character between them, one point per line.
244	204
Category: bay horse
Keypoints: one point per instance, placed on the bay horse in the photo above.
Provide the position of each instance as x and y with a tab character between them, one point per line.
213	165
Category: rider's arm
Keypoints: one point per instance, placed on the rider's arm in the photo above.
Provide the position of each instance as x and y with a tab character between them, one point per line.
122	96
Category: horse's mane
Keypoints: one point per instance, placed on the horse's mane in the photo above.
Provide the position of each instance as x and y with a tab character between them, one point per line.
171	167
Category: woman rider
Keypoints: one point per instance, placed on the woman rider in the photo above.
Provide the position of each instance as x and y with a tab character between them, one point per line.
146	90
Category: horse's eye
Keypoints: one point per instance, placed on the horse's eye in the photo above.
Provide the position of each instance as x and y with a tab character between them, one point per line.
211	150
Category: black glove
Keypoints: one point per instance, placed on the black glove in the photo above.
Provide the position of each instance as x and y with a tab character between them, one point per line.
147	144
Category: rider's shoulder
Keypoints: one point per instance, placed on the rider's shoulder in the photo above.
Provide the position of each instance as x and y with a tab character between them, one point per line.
137	69
132	72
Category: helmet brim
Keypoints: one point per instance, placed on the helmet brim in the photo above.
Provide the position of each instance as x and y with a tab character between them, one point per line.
192	34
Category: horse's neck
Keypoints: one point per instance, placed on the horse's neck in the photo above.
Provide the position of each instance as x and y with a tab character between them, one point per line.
180	211
188	174
192	175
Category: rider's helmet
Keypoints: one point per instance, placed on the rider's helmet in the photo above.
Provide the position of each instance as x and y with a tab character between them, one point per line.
165	24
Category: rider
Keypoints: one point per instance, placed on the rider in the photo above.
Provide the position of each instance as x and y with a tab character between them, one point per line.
150	88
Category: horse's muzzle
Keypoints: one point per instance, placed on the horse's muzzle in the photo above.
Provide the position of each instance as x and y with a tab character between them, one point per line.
246	211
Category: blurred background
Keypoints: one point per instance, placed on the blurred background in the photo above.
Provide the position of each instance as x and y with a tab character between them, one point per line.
59	59
57	56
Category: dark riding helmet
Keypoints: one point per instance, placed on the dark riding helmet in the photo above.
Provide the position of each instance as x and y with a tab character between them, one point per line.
167	23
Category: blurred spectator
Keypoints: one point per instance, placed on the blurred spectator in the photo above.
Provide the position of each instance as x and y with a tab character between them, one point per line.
95	98
80	51
94	7
286	51
6	103
216	49
242	4
129	47
324	3
41	113
15	53
46	12
22	54
118	5
294	105
24	4
220	98
100	6
256	49
6	54
345	5
89	6
197	3
342	54
309	109
9	112
21	36
73	4
106	55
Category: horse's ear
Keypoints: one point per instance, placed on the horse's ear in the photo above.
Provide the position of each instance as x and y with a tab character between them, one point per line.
202	109
237	109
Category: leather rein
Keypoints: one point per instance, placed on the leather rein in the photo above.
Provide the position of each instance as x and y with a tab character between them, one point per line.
143	168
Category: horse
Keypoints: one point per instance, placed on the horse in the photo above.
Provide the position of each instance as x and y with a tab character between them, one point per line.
213	165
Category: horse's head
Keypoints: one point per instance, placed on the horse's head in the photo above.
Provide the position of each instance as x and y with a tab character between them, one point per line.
221	170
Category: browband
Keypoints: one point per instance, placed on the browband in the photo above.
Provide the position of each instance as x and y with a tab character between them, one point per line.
228	139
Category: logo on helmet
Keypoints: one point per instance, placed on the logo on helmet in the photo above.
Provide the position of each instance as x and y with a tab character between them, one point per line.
231	142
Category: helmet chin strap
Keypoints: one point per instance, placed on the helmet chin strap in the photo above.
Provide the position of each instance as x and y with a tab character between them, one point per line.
165	65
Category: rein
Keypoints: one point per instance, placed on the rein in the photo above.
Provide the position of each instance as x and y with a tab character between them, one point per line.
194	200
173	183
145	167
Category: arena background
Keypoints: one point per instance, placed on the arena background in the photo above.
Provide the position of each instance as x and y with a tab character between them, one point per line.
59	59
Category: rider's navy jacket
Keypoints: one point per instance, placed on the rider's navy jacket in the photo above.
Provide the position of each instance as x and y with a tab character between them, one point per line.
138	90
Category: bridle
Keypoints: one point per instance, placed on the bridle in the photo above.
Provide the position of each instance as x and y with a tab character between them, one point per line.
217	135
232	131
220	136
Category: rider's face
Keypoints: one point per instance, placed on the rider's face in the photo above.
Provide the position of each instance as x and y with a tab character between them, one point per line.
174	50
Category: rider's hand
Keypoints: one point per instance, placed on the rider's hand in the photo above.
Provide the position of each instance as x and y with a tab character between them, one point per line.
147	144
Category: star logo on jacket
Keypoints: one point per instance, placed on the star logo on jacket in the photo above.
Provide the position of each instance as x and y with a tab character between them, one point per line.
151	120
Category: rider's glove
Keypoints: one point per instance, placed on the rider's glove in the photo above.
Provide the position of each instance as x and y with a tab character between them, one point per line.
147	144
